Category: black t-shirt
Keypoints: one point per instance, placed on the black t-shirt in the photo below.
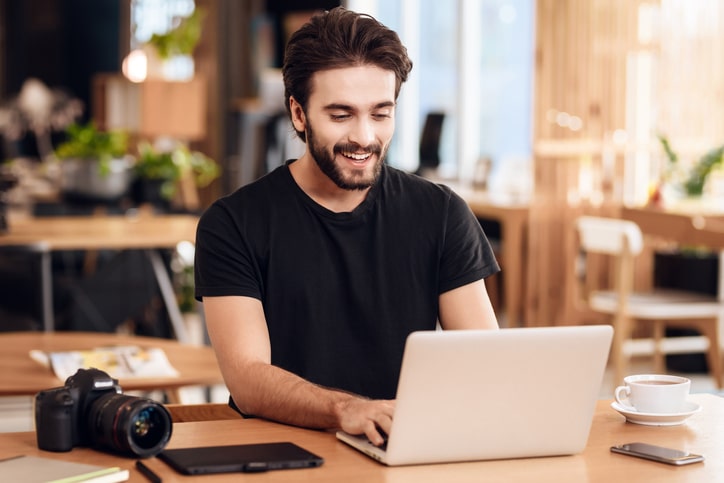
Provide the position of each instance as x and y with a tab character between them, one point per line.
341	291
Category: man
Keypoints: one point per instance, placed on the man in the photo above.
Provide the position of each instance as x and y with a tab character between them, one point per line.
313	276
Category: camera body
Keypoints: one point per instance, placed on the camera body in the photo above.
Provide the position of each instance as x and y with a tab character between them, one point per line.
91	410
58	411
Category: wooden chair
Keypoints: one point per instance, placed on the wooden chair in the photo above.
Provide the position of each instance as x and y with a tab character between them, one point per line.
184	413
623	240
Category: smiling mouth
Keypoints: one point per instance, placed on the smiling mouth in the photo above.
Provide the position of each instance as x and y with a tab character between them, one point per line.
356	157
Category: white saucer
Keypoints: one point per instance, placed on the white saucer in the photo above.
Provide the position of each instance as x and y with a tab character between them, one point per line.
651	419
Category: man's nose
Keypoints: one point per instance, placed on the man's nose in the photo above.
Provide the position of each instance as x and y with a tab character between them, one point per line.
362	133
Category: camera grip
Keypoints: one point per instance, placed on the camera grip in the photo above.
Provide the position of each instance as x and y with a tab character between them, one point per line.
54	425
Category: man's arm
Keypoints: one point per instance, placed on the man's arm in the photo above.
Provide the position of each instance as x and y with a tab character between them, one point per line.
467	307
238	332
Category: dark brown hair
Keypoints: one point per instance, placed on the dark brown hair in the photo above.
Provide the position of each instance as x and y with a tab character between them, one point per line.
336	39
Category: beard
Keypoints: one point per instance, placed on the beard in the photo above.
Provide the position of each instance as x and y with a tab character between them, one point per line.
356	179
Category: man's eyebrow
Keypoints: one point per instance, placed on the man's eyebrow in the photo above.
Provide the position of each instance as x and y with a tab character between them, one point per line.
346	107
338	107
385	104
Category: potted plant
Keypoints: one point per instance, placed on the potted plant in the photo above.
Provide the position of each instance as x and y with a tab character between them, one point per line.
180	40
94	163
695	179
158	172
39	110
171	53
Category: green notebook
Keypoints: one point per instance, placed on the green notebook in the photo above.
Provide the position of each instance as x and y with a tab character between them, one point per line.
36	469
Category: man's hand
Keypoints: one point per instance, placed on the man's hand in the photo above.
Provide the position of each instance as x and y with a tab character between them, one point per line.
358	416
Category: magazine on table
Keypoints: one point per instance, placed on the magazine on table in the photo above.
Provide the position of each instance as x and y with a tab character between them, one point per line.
119	362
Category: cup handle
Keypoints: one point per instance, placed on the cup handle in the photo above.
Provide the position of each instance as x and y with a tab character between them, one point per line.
622	394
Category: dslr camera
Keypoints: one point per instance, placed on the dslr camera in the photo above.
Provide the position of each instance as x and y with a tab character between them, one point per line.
90	410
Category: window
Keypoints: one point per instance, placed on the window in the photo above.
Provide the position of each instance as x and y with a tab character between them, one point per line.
150	17
473	59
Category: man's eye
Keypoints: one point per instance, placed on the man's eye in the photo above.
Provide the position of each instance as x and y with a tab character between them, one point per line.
382	115
339	117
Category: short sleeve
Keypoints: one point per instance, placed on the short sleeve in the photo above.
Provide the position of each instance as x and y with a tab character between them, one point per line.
467	255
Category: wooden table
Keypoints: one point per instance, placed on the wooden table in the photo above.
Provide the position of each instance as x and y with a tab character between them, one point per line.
685	226
513	218
701	433
22	376
98	232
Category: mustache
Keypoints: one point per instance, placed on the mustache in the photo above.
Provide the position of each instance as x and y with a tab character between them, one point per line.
375	148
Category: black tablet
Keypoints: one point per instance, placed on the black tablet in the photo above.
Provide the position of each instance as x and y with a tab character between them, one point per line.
236	458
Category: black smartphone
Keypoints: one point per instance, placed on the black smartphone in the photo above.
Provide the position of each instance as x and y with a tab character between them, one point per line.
657	453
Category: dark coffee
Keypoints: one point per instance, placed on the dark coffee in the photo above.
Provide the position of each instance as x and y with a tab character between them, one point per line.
658	383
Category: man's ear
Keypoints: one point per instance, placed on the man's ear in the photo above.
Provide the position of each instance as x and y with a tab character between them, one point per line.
299	119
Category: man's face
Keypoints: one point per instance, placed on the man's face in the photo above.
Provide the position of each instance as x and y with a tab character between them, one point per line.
349	123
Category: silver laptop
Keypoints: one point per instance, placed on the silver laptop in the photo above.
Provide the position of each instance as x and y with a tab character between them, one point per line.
477	395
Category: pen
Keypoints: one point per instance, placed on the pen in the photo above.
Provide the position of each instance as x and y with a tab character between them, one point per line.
148	473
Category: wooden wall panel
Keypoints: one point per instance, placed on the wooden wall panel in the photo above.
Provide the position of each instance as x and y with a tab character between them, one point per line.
580	71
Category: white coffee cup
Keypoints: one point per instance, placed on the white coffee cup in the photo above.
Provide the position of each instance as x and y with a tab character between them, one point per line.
653	393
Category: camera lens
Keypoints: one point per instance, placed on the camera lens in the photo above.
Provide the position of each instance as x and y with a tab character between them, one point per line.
130	425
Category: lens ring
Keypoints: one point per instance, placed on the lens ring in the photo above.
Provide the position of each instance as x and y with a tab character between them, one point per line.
130	425
147	427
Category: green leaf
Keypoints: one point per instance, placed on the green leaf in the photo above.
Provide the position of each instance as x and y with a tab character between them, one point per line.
87	142
182	39
171	165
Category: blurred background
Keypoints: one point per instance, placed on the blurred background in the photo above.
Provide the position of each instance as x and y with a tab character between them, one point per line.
565	106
